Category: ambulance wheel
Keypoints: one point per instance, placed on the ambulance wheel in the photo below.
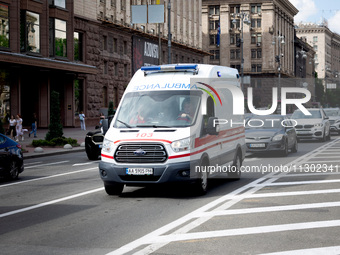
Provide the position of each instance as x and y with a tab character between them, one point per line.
201	184
235	171
114	188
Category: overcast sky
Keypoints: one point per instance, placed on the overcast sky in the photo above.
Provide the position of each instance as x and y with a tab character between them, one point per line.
315	10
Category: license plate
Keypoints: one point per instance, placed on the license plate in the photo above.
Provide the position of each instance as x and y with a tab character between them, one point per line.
303	132
257	145
139	171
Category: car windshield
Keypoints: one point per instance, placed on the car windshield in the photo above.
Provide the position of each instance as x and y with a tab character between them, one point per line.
316	114
158	109
264	123
332	112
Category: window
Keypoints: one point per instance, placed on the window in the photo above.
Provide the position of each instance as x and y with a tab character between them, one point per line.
78	46
315	47
125	47
256	68
125	70
258	22
259	53
232	54
116	69
59	3
30	32
315	39
253	53
115	45
213	39
235	39
214	24
235	9
212	52
104	42
214	10
256	8
122	5
79	95
238	54
256	38
58	39
256	53
4	26
235	25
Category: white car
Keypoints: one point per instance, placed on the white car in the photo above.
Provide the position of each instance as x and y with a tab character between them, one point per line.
315	126
334	118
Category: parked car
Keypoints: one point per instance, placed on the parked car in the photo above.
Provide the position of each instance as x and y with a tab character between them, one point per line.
94	139
334	118
270	133
315	126
11	158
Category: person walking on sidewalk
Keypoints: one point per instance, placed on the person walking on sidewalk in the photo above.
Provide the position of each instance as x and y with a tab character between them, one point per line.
12	127
19	128
82	120
34	126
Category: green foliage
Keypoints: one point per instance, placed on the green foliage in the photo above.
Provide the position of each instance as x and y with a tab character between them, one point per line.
59	141
55	128
110	111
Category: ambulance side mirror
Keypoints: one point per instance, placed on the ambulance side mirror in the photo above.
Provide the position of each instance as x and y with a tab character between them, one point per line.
213	127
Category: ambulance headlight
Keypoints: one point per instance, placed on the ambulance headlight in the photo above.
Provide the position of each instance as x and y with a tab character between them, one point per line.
107	145
183	144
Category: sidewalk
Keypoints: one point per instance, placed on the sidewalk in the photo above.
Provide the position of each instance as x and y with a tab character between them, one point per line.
75	133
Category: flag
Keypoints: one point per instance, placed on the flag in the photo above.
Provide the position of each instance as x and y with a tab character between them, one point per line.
218	35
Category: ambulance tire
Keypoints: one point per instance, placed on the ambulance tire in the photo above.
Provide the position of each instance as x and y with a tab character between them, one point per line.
201	184
113	189
235	171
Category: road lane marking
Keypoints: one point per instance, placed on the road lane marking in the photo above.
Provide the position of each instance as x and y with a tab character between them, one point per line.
87	163
234	195
245	231
48	177
332	250
297	183
269	209
50	202
48	164
31	163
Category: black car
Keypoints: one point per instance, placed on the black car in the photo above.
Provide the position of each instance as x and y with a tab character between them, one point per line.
11	158
270	133
94	139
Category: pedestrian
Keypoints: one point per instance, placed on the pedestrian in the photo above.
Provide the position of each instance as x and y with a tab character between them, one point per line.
82	120
19	128
11	127
34	126
101	118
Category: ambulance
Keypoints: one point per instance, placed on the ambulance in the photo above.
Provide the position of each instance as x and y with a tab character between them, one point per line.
173	124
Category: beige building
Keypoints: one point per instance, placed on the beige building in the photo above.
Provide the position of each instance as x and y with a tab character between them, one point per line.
269	21
326	44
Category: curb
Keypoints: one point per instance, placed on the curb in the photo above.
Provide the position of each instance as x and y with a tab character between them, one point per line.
51	153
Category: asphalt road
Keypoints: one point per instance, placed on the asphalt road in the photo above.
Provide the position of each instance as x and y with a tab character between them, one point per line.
59	206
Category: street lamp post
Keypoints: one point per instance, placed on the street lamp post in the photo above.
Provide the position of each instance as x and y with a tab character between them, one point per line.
243	18
281	41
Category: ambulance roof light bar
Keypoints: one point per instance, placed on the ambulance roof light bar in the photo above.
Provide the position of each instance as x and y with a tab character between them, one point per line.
170	68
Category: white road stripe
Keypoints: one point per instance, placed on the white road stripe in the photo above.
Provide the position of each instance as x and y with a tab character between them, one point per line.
245	231
50	202
297	183
87	163
31	163
269	209
332	250
48	164
48	177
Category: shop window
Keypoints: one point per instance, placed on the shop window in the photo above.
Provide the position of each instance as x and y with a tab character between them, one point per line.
29	32
78	46
58	40
4	26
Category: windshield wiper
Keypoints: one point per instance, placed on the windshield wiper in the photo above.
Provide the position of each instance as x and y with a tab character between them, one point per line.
127	125
153	126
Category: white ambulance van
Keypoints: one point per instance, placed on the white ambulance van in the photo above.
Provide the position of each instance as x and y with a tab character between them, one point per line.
168	128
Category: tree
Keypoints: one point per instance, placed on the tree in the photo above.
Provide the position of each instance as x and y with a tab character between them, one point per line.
111	110
55	128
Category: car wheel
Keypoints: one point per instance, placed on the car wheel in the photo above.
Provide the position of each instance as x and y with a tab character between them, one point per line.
235	171
329	136
201	184
295	147
13	170
324	138
91	155
284	152
114	188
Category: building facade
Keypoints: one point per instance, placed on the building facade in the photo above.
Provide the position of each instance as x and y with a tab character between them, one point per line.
36	57
259	31
87	50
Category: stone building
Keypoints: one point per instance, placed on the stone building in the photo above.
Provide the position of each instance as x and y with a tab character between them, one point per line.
326	44
87	50
262	31
36	57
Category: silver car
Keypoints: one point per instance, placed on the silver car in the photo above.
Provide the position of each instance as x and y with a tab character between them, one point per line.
314	126
334	118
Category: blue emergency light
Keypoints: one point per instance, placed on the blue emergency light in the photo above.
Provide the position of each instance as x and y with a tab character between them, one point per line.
169	68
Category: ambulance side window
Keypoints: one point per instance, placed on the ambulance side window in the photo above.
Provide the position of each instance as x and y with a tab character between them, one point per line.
210	113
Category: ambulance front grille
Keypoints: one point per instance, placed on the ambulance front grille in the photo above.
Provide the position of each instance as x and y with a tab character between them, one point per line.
141	153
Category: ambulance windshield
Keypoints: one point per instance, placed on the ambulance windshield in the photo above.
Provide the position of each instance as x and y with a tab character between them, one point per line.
158	109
